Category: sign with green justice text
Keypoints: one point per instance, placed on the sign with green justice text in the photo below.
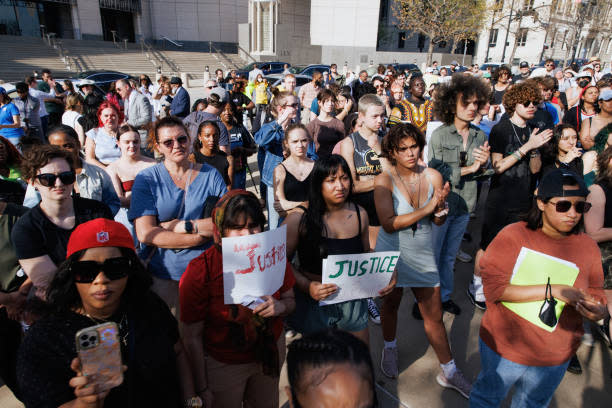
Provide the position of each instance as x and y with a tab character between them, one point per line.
358	276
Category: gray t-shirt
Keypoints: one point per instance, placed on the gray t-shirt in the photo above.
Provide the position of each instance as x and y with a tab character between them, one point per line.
193	120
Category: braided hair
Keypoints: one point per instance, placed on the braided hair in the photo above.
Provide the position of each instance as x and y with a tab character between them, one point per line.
321	351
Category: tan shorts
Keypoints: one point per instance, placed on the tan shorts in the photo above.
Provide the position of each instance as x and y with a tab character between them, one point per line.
233	384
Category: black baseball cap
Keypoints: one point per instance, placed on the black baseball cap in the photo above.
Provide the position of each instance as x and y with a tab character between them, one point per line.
524	64
552	185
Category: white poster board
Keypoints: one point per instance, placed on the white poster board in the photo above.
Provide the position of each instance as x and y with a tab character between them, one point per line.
253	265
358	276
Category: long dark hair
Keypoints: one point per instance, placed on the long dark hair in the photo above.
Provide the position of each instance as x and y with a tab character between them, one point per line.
312	225
63	296
197	144
320	351
551	149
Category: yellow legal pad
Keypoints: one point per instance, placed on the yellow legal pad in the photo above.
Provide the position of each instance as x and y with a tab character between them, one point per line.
534	268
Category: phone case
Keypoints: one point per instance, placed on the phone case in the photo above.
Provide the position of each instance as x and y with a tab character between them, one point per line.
100	354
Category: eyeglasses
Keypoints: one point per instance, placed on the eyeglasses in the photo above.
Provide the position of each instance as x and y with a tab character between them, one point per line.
48	179
529	103
292	105
209	87
563	206
550	65
170	142
379	86
113	268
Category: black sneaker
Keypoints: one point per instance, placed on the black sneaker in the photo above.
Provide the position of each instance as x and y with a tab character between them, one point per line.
479	305
467	237
451	307
574	366
416	312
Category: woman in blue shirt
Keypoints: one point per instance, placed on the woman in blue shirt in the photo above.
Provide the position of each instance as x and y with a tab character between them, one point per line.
168	209
10	122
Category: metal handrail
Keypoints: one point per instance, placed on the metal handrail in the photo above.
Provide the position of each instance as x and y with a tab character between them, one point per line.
178	44
212	47
160	58
246	53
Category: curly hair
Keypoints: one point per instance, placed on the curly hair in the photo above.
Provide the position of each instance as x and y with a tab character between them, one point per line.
39	156
13	157
460	88
62	294
522	92
551	149
399	132
604	175
501	69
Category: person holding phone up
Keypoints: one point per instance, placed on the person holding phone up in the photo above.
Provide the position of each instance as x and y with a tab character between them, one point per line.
102	281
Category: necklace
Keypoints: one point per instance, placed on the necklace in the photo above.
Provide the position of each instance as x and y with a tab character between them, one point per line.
123	326
177	177
416	225
516	134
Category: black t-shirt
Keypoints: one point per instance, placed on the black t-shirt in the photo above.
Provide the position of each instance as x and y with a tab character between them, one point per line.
35	235
239	99
541	120
240	137
9	265
497	96
218	161
43	364
512	189
11	191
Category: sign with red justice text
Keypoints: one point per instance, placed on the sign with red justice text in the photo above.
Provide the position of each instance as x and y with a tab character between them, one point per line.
253	265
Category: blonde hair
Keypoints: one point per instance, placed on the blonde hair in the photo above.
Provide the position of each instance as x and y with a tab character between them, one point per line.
369	100
74	100
279	100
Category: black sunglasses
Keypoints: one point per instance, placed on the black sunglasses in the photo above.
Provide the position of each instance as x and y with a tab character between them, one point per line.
170	142
48	179
113	268
292	105
581	207
526	104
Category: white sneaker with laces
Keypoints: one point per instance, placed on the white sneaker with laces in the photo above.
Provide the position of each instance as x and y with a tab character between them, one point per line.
373	312
388	362
457	382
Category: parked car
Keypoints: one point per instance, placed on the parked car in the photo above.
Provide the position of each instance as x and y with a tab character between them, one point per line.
412	68
493	65
270	67
277	79
308	70
103	79
458	68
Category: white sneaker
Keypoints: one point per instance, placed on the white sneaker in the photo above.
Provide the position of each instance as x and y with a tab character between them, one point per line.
373	312
388	362
457	382
463	257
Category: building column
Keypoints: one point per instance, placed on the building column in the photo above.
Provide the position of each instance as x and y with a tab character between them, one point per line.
271	35
259	34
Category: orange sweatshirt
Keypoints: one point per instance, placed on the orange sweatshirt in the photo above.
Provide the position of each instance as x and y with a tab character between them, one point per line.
513	337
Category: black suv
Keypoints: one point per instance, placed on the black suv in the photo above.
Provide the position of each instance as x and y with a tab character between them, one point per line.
272	67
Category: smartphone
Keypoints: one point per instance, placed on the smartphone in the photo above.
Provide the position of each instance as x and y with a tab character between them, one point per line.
99	350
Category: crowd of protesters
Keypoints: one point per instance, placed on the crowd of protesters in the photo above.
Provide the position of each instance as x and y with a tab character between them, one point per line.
113	209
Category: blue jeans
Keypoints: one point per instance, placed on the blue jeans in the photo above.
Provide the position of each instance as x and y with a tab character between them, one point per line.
446	241
533	386
273	217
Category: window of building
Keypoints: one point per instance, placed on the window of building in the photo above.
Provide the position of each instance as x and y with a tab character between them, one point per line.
528	4
499	5
493	37
522	37
401	40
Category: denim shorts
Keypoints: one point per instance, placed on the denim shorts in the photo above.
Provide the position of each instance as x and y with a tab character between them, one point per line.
309	317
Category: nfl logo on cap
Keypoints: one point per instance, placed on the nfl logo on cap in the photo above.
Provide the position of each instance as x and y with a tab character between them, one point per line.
102	236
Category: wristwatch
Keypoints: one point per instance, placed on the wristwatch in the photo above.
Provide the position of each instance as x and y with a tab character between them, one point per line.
189	227
194	402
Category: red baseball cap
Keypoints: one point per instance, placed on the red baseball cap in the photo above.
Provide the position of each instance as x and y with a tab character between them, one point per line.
100	232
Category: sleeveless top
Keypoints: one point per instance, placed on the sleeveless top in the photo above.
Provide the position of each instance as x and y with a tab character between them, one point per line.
107	150
127	185
608	211
311	257
417	265
295	190
365	159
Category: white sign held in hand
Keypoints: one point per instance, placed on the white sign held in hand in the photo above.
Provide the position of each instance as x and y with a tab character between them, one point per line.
253	265
358	276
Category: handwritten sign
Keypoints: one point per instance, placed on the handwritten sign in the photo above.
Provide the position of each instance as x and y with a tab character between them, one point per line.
253	265
358	276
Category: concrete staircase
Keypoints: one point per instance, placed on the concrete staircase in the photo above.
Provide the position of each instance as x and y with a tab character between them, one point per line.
20	56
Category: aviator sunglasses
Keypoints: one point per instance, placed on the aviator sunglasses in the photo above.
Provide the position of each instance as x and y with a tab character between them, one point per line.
113	268
563	206
48	179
